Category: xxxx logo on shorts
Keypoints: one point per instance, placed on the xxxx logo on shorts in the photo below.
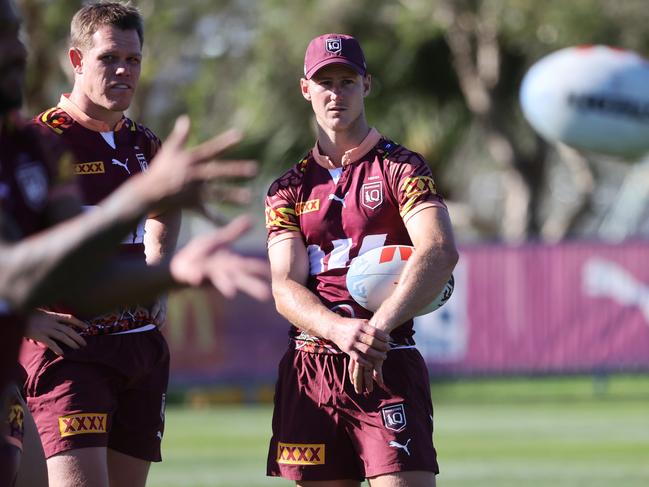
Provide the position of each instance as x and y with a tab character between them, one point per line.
79	424
307	207
301	453
96	167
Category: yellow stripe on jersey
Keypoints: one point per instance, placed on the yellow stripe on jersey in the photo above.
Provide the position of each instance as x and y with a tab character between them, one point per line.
282	218
45	119
413	189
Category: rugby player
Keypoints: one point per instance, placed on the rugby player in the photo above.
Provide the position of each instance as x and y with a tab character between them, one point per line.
111	434
354	190
38	266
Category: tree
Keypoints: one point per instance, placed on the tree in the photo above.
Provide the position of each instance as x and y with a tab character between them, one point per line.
446	75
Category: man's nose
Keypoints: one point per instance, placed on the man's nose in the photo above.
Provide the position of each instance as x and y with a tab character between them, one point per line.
123	70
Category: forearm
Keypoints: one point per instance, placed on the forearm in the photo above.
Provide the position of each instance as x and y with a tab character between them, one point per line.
161	235
42	267
121	283
304	310
423	278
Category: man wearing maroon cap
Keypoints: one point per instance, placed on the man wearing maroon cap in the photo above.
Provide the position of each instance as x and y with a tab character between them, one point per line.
355	190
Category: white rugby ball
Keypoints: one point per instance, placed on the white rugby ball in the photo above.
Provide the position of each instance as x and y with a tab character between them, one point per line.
590	97
372	277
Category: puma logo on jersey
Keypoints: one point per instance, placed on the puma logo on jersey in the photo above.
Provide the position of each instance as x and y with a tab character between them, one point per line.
338	199
396	444
117	162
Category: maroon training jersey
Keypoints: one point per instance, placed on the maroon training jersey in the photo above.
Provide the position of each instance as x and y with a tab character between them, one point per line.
341	213
29	177
103	160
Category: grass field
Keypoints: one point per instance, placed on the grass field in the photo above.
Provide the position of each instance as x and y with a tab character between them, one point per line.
555	432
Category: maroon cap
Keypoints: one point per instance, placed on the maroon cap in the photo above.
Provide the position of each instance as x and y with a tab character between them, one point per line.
333	48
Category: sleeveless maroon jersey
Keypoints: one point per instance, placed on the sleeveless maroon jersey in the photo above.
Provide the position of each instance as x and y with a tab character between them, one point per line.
28	177
341	213
103	160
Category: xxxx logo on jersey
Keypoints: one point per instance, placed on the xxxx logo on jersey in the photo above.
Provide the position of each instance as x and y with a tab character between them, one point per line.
301	453
79	424
96	167
282	217
307	207
418	185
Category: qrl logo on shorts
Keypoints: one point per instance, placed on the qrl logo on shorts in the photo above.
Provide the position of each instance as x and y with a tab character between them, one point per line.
79	424
394	417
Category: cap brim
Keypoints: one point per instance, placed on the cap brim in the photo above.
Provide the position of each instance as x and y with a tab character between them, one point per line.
334	60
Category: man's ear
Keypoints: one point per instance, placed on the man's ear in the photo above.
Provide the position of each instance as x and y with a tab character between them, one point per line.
304	87
367	84
76	59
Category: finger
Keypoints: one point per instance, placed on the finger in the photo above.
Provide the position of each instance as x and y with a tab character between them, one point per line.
71	320
372	353
224	285
216	145
254	287
51	344
367	379
180	132
378	373
374	343
232	231
218	169
376	333
362	361
357	379
69	337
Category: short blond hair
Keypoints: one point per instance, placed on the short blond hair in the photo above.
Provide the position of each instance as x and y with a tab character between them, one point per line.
96	15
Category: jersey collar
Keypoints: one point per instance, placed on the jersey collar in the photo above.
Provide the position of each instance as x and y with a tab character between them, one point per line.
85	120
352	155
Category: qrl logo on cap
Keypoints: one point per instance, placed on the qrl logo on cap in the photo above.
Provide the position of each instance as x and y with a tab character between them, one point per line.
334	45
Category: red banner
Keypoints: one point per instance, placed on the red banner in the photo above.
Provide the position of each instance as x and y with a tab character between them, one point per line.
530	309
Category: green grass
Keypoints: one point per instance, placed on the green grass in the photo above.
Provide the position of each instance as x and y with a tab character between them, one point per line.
555	432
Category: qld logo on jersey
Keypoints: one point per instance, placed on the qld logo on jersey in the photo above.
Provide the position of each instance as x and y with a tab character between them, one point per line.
372	195
32	181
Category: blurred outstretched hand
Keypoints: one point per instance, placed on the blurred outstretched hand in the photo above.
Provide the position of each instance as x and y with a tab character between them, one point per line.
209	260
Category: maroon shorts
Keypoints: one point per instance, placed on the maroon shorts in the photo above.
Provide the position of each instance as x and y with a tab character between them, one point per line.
323	430
110	393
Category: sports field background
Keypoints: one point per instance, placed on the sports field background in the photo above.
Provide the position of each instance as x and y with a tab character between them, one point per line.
560	431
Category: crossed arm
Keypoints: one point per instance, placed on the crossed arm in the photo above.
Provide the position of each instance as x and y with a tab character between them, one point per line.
366	341
424	276
289	265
